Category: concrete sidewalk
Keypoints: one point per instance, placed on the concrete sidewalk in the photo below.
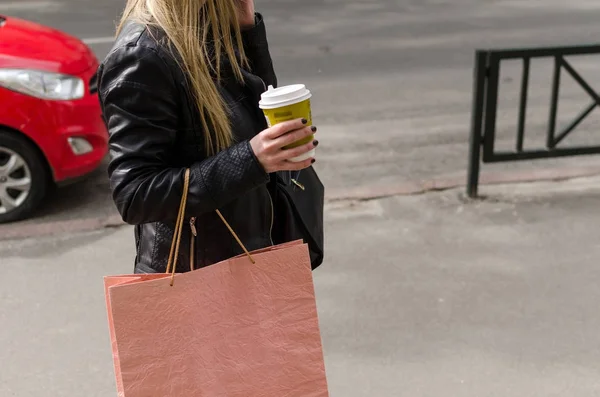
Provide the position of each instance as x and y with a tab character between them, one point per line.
422	296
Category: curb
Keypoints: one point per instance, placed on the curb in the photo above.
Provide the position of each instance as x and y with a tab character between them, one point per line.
359	193
448	182
31	230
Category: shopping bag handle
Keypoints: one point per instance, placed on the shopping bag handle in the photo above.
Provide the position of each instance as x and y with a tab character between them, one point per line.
176	242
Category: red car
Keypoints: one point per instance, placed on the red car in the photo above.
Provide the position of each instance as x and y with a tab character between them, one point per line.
51	126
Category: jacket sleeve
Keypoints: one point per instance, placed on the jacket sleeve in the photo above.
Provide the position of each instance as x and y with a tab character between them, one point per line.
141	103
256	48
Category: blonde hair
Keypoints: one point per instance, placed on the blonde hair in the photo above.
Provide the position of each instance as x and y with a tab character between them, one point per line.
189	25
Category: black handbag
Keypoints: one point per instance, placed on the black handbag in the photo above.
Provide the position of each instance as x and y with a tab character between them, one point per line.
300	200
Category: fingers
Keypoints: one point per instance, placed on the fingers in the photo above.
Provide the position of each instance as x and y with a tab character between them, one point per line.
289	166
294	136
268	146
285	127
296	152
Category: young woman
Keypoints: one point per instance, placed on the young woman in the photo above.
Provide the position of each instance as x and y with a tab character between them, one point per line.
180	90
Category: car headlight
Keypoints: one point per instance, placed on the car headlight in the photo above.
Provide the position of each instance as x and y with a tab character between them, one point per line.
44	85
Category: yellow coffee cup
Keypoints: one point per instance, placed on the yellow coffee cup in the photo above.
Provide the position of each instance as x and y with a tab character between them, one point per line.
289	103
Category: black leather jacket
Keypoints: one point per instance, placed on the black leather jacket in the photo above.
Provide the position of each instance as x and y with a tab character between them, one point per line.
156	133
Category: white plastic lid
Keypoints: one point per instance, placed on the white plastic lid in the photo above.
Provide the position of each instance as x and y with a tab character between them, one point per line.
284	96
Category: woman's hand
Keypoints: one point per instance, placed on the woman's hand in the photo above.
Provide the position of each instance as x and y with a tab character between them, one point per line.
246	13
268	146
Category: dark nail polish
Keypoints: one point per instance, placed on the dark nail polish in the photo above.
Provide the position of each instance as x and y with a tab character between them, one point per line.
304	121
313	161
316	143
313	128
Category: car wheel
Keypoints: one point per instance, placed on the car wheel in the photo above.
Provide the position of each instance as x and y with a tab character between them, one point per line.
24	178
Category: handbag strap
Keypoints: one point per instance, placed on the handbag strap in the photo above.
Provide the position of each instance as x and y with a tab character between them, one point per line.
176	242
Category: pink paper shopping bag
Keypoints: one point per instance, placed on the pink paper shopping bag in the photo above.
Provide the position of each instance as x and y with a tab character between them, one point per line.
246	327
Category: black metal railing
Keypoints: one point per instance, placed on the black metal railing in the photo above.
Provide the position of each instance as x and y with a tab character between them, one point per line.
485	106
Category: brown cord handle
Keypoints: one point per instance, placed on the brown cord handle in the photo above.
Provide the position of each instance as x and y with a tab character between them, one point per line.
176	242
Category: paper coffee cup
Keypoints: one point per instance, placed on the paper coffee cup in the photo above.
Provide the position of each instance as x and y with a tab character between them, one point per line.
289	103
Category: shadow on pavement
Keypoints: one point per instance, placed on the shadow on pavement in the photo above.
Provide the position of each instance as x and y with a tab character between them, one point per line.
86	199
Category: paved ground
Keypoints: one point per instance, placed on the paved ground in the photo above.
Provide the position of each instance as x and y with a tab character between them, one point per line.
422	296
436	296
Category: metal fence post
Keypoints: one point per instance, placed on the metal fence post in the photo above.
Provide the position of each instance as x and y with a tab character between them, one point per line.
486	85
476	140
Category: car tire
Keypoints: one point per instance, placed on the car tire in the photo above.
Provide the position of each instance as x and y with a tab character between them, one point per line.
22	186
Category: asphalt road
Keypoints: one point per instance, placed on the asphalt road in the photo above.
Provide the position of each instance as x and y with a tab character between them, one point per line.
392	80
